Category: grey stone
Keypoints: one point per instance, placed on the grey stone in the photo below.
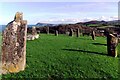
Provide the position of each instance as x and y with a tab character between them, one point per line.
78	32
112	42
47	30
71	32
14	45
56	33
93	35
33	35
34	31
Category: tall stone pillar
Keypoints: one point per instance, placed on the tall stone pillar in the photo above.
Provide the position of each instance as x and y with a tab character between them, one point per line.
78	32
14	45
93	35
112	42
47	30
56	33
34	31
71	32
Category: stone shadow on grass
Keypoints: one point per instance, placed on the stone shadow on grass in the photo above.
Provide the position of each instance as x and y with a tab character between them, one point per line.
92	52
100	44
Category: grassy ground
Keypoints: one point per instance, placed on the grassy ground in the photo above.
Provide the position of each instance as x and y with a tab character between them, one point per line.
0	54
68	57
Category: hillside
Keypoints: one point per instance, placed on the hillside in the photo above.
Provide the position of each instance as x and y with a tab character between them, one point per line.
96	23
44	24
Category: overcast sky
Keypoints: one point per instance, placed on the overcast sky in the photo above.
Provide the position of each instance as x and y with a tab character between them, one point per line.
59	12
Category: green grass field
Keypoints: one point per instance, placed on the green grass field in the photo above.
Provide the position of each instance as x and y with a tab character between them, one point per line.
68	57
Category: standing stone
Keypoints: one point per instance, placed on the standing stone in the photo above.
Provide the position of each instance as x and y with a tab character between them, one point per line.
67	32
78	32
14	45
33	35
34	31
56	33
47	30
112	42
93	35
38	32
71	32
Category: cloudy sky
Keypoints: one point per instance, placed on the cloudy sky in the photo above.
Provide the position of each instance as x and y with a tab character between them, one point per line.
59	12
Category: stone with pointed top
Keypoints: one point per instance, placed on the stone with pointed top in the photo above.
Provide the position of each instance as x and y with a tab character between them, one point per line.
14	45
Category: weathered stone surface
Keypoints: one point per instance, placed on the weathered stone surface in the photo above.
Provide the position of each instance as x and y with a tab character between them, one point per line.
78	32
34	31
18	17
38	32
14	45
71	32
67	32
112	42
93	35
56	33
33	35
47	30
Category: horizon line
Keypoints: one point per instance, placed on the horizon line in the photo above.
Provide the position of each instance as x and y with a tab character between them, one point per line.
66	22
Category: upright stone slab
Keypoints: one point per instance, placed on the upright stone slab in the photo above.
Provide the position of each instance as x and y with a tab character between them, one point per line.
71	32
47	30
112	42
34	31
14	45
33	34
93	35
78	32
38	32
56	33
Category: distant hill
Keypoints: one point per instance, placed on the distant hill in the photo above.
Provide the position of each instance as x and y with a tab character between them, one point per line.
93	23
45	24
115	22
96	23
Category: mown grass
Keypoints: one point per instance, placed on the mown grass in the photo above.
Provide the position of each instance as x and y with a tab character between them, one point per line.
0	53
65	57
